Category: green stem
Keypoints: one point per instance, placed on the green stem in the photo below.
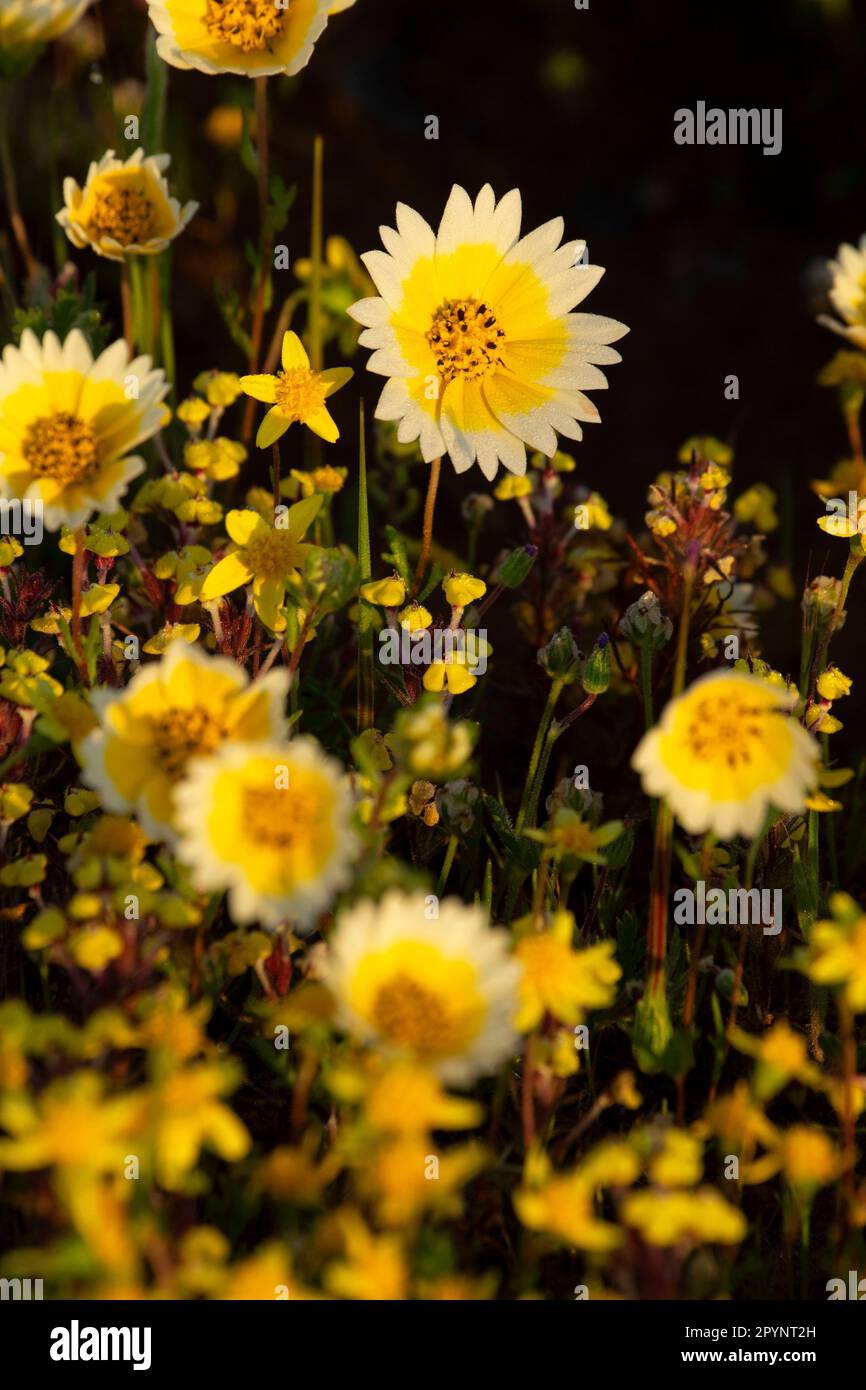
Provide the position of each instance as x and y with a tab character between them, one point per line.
554	693
316	258
446	866
646	685
264	245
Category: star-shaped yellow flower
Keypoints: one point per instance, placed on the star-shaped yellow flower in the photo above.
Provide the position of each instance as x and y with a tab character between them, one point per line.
296	393
267	555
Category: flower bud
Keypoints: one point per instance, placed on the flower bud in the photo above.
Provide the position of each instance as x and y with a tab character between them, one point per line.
390	593
561	657
516	566
645	622
596	670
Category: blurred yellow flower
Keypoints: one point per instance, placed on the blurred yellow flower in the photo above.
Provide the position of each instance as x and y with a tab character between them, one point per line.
269	822
836	953
563	1205
724	752
174	710
24	23
667	1218
805	1157
560	981
69	424
757	506
437	989
187	1113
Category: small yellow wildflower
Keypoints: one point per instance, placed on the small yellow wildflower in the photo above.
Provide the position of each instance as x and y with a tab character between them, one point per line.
563	1205
757	505
389	593
667	1218
559	980
187	1113
805	1157
414	617
837	951
832	684
267	556
512	486
297	393
463	589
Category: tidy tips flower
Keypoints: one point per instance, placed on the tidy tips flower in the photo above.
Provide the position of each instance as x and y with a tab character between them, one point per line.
124	208
847	293
254	38
724	752
270	823
69	424
296	393
441	991
24	23
474	331
182	707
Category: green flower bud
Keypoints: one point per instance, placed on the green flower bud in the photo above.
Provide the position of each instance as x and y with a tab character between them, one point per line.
596	671
516	566
561	657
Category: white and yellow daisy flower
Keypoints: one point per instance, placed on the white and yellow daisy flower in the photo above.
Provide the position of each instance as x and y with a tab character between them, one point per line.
848	293
442	992
185	706
254	38
475	331
125	207
24	23
725	752
271	823
68	424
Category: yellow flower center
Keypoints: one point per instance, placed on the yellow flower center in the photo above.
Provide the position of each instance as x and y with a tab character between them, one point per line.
272	554
300	392
125	214
179	734
727	729
412	1016
466	340
245	24
61	447
273	817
